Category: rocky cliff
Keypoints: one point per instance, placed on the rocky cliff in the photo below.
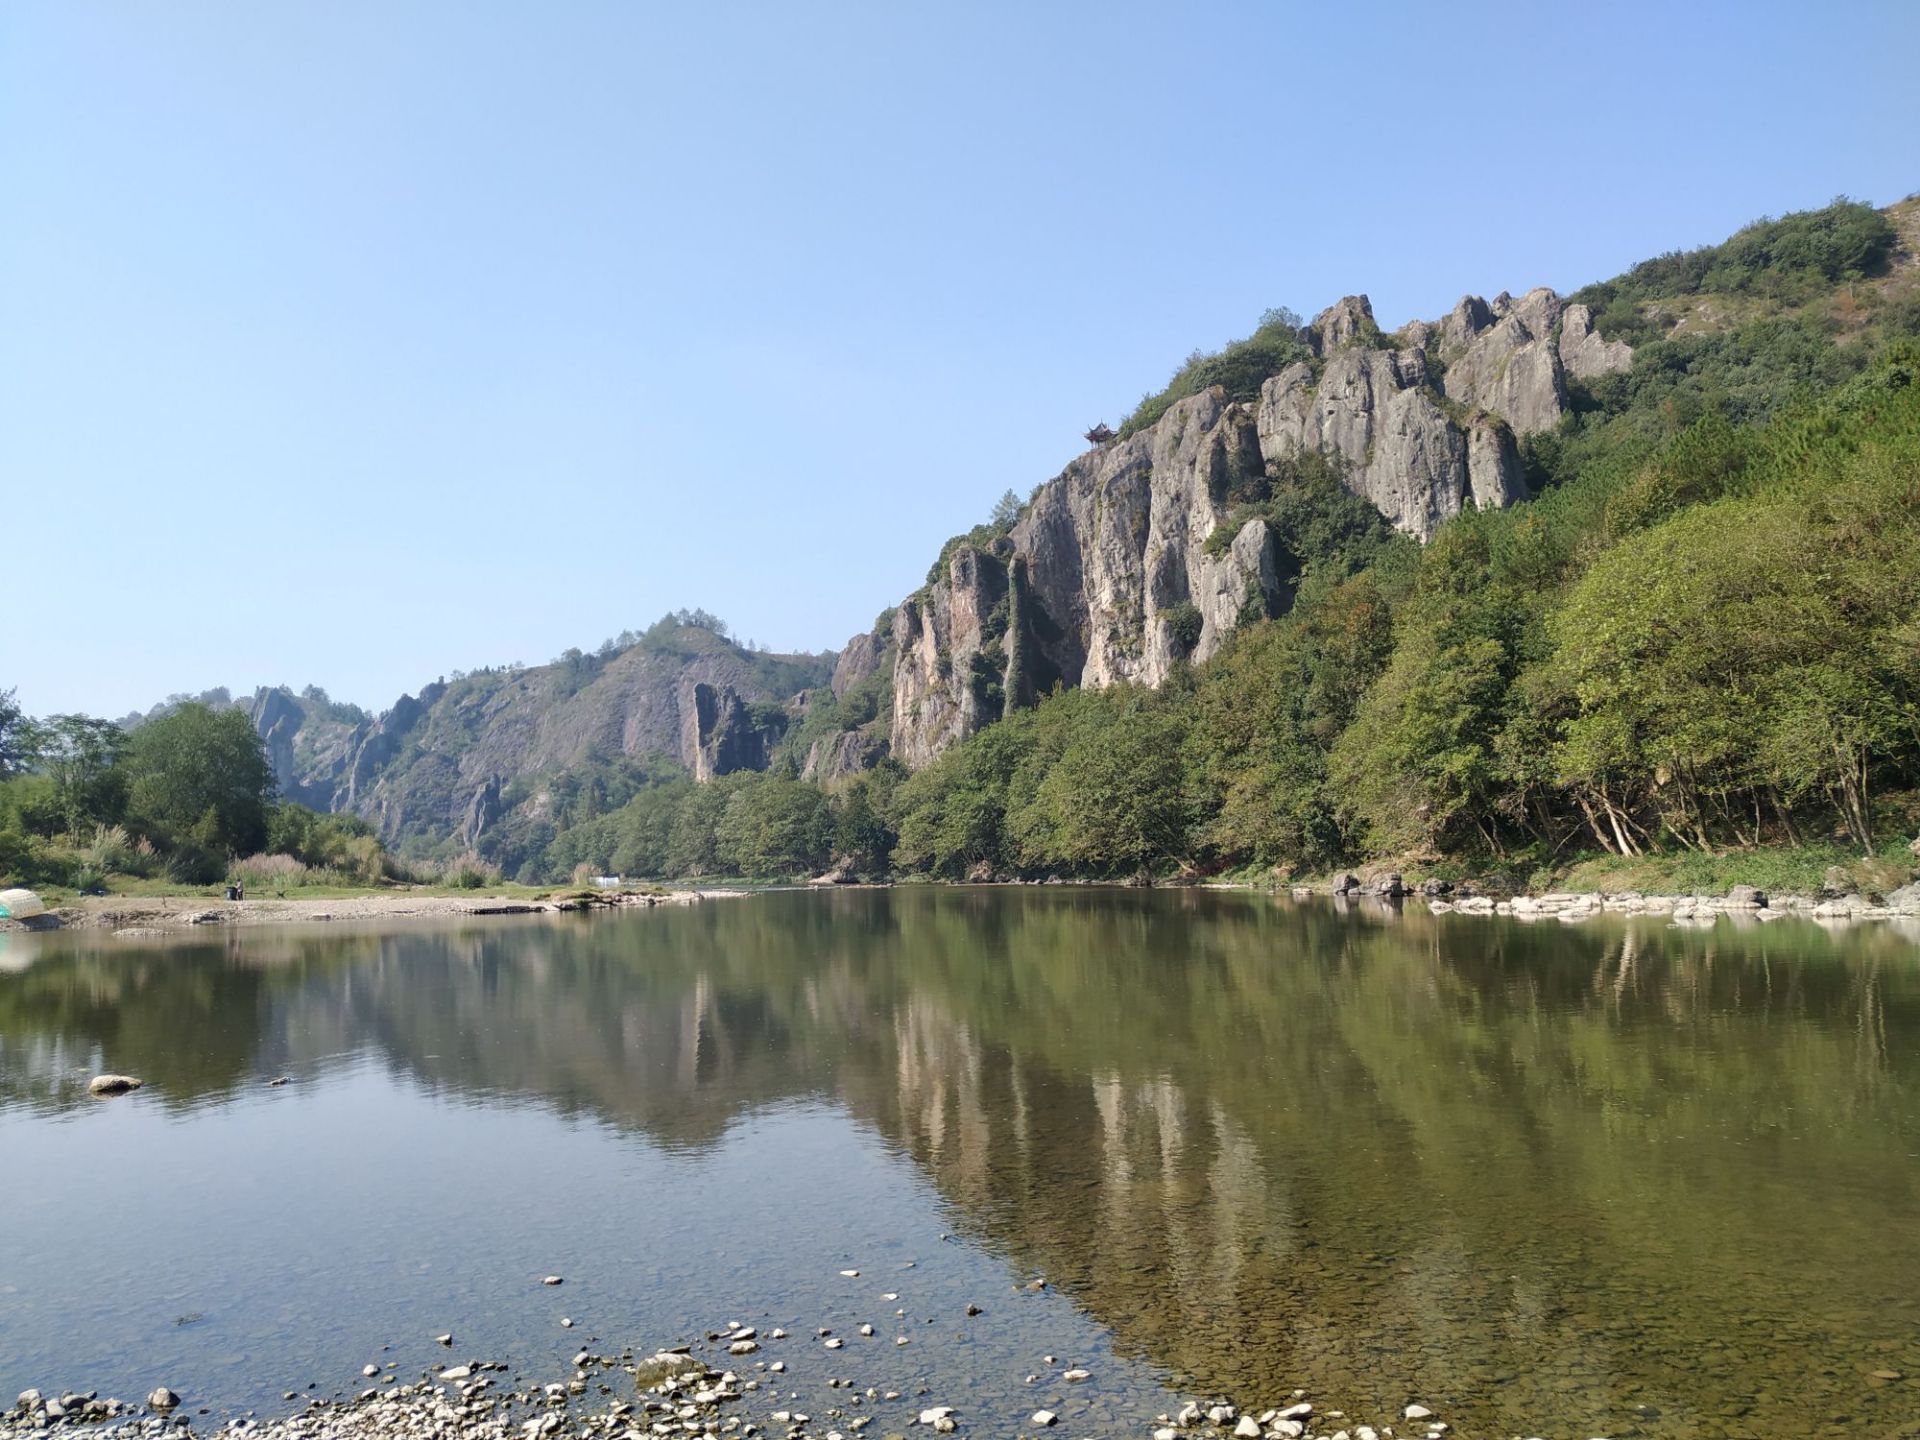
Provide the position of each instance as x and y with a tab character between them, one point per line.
1116	570
1142	554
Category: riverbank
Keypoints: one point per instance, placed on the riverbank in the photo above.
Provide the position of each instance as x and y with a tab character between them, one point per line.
1445	897
136	915
676	1392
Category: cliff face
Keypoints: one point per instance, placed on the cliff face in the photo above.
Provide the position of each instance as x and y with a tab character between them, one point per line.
1108	575
1139	556
1105	577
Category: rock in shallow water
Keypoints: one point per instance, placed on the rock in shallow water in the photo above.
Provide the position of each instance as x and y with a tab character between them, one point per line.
113	1084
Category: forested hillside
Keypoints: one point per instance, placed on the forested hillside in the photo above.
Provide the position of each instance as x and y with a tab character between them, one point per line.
1701	635
1661	599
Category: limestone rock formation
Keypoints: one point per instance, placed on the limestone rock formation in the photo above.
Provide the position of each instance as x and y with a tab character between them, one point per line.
310	750
719	733
1144	553
835	757
860	658
1502	359
1582	352
482	810
1495	477
947	652
1106	577
1340	325
1375	410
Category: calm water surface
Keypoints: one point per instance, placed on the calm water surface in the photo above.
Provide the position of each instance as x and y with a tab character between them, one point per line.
1616	1179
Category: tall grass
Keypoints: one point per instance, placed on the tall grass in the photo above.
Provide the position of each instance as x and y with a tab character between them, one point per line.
466	871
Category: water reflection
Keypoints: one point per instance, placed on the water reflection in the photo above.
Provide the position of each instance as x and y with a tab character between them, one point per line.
1618	1177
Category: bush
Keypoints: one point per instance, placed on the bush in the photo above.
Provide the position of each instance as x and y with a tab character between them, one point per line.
469	872
110	850
272	872
1186	623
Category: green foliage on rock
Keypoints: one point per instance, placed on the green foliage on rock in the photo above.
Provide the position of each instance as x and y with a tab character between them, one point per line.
1241	367
1793	258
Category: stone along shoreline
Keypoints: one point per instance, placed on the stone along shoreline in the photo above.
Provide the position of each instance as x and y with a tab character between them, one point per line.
1749	901
673	1393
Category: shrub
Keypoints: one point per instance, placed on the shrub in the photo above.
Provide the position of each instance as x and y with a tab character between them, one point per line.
109	850
1186	622
469	872
272	872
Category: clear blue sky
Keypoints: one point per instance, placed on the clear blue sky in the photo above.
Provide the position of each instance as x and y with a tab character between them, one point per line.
354	343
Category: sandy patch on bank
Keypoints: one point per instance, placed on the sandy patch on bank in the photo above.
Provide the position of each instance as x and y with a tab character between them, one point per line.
169	913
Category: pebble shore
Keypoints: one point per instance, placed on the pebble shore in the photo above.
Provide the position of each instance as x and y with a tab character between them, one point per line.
675	1392
1740	901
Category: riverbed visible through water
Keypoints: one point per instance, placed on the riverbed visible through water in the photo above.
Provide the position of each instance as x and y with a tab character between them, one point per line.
1616	1179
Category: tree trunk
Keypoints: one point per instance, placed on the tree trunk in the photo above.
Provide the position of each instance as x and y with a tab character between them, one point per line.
1593	824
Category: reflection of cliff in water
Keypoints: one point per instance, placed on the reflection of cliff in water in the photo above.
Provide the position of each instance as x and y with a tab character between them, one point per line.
1445	1159
648	1041
1426	1158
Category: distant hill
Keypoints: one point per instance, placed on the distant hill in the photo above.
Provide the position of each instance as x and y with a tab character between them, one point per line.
498	759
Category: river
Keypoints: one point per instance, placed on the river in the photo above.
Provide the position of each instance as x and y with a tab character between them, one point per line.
1617	1179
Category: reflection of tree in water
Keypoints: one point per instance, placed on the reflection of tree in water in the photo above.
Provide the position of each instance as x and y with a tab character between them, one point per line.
1524	1172
186	1019
1464	1160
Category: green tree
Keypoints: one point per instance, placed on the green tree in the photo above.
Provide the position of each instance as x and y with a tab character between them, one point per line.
18	737
200	776
83	756
1116	798
775	826
860	831
693	843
